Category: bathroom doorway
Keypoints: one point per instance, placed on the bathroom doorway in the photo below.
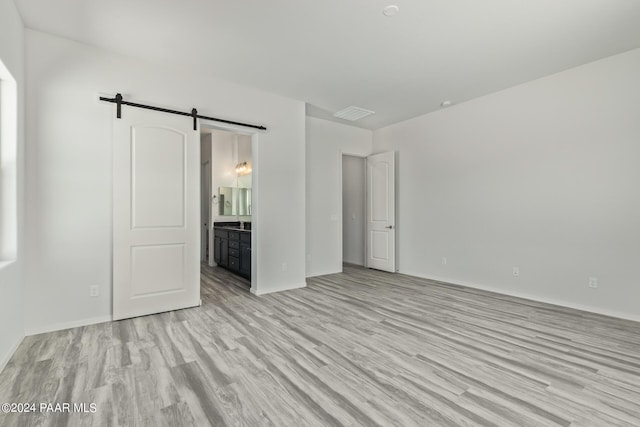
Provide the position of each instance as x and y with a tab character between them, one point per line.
228	191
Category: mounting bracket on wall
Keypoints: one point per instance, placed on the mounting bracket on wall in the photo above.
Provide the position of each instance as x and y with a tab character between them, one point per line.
194	113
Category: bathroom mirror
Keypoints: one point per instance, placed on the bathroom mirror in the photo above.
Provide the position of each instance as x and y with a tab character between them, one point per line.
227	201
235	201
244	195
244	201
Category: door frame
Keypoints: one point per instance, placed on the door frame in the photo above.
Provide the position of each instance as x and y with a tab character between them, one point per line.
340	206
255	199
205	172
341	155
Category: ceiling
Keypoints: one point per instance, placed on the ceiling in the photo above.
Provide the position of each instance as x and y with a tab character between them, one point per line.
335	53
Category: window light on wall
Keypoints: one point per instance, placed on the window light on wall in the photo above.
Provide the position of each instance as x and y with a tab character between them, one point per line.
8	162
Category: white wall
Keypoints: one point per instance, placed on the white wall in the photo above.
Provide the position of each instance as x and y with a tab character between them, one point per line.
244	148
205	148
69	171
11	289
326	141
543	176
353	209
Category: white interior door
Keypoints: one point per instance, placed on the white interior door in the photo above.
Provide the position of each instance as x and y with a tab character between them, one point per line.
156	230
381	212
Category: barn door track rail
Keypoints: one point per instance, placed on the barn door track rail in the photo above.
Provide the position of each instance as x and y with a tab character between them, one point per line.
194	113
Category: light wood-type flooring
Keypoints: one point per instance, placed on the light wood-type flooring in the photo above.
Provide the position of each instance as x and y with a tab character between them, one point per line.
361	348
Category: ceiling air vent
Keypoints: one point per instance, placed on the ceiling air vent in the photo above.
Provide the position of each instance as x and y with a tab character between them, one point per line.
353	113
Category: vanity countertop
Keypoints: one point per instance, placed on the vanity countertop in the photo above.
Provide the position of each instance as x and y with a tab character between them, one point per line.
232	226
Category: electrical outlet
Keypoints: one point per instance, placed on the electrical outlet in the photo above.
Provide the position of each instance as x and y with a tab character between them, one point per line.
593	282
94	291
444	260
284	266
516	271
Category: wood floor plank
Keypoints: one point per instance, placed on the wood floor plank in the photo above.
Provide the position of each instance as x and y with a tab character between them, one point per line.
359	348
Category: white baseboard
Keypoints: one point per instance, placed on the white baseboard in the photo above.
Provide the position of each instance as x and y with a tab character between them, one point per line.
279	289
5	359
567	304
323	273
68	325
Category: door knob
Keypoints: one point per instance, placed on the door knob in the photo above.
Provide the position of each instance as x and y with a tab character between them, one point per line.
390	227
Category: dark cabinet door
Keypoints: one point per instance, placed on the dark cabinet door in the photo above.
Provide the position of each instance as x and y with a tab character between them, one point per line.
233	264
221	251
245	259
232	250
217	249
224	252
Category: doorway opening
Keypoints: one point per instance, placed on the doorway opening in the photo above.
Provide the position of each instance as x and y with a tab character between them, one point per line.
353	210
369	211
227	205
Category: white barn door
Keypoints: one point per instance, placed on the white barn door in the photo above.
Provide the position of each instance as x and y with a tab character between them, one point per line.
381	212
156	229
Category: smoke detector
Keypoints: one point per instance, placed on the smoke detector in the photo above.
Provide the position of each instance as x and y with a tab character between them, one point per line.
353	113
